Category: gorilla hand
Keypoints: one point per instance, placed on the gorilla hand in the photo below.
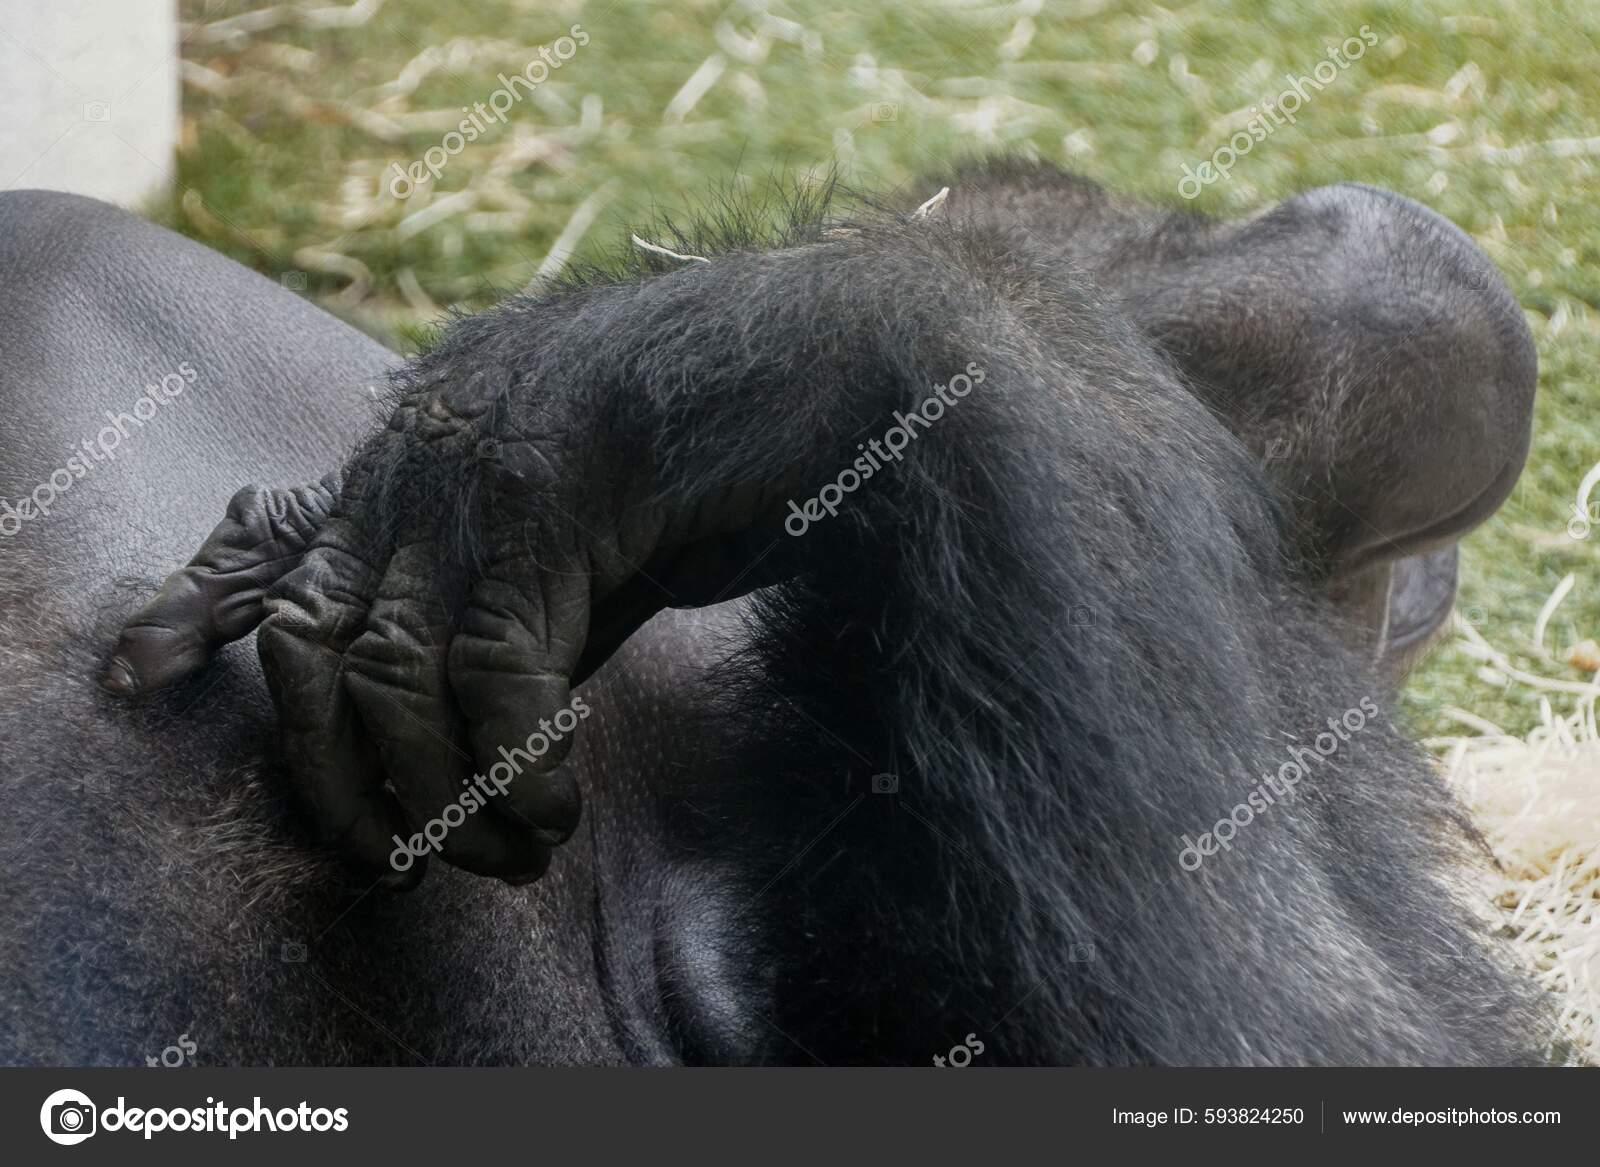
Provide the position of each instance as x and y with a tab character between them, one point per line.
508	529
219	596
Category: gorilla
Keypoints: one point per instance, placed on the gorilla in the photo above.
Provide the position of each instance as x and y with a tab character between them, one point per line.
972	616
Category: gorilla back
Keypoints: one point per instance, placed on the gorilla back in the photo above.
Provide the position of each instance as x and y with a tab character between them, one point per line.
945	778
155	883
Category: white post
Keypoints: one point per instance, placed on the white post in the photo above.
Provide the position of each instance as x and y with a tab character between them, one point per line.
89	96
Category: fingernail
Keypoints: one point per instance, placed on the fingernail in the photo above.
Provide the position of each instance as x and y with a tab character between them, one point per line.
119	678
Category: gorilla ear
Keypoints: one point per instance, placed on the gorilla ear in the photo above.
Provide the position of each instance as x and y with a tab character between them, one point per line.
1372	356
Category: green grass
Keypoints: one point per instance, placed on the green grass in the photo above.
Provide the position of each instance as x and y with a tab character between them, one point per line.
290	132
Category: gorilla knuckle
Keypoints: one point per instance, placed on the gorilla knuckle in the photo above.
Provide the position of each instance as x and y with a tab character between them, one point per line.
286	520
248	504
314	602
396	650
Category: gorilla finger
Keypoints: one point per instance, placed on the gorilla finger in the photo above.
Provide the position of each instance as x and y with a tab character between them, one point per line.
396	673
333	767
333	770
219	596
509	669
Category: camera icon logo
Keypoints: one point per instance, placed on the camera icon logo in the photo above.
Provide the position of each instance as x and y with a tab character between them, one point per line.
294	281
886	784
885	111
96	111
68	1117
292	952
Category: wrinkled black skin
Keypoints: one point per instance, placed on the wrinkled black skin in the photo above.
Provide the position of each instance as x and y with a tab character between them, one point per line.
1091	607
